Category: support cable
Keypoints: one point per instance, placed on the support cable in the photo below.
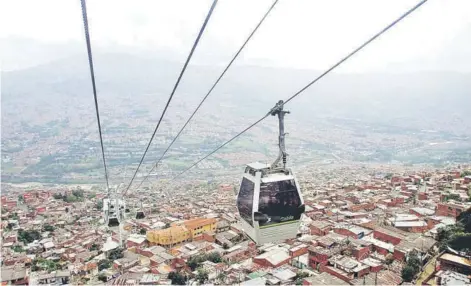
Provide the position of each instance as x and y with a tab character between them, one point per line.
209	92
311	83
92	75
195	44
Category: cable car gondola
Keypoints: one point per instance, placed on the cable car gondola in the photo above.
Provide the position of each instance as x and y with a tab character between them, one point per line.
140	213
269	200
114	210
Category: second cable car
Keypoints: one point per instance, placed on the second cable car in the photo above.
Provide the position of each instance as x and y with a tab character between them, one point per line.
269	200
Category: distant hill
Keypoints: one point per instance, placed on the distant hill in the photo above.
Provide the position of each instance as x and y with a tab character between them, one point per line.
419	100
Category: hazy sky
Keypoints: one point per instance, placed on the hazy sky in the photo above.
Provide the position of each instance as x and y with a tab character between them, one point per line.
309	34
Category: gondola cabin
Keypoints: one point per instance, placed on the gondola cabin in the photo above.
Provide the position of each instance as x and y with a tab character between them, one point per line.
269	203
113	215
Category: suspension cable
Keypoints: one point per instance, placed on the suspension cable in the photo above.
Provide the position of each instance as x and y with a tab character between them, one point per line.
195	44
209	92
311	83
92	75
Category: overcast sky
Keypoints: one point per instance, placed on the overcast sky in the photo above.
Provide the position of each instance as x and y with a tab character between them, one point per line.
311	34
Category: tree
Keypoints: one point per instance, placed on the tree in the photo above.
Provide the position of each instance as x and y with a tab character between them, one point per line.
116	253
465	220
412	267
408	273
94	247
167	225
414	261
202	275
13	216
17	248
298	279
177	278
454	197
104	264
214	257
21	198
48	227
78	193
143	231
221	277
57	196
102	278
28	236
465	173
99	205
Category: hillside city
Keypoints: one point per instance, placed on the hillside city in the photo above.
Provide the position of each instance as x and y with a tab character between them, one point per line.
362	226
235	143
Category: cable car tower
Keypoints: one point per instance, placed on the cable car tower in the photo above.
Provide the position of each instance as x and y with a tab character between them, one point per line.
269	199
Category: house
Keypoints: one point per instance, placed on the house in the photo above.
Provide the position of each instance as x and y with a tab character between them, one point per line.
422	212
454	262
323	279
59	277
151	251
320	227
452	209
136	240
273	258
320	256
345	268
387	235
222	226
301	262
14	275
412	226
352	231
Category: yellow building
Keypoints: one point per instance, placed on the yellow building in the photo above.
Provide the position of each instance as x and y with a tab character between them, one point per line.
198	226
169	236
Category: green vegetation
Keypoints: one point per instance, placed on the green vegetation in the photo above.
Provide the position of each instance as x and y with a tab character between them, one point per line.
44	264
48	227
10	226
102	278
21	199
466	173
77	196
104	264
388	176
13	216
298	279
94	247
143	231
17	248
116	253
411	268
195	261
28	236
99	205
177	278
456	236
202	276
454	197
